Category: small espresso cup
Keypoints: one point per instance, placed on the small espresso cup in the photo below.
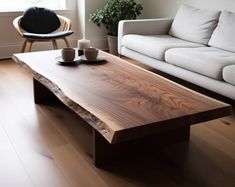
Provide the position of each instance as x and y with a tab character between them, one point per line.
91	53
68	54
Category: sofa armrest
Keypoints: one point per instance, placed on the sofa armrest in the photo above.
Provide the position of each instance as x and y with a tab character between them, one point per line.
144	27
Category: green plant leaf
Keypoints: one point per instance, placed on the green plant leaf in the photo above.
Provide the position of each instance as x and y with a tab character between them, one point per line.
114	11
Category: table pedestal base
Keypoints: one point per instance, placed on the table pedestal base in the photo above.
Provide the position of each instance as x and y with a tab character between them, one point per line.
103	152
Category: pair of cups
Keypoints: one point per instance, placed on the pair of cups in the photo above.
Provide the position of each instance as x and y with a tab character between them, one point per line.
68	54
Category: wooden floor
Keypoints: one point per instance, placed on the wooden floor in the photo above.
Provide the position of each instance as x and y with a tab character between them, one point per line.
48	146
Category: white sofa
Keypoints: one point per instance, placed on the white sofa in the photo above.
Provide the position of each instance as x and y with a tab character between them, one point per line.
197	46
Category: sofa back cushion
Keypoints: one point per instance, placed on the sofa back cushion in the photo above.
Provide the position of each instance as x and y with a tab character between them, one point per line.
194	25
223	36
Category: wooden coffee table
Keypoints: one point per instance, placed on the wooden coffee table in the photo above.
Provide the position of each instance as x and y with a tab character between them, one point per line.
130	110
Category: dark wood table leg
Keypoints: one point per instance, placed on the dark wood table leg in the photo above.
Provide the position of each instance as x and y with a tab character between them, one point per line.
42	94
104	152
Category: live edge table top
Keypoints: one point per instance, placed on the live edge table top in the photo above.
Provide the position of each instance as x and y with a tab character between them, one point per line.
120	100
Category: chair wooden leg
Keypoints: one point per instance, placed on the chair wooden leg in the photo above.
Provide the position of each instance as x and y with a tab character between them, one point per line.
24	46
30	45
66	42
55	46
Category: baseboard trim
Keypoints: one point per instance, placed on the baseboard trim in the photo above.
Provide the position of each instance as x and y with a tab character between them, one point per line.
8	49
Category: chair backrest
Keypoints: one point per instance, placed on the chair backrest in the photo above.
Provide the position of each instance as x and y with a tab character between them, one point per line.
39	20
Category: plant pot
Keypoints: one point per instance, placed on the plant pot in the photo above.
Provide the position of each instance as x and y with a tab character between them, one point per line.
113	44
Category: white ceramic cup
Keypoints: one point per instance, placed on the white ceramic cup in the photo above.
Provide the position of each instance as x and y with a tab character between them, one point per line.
68	54
91	53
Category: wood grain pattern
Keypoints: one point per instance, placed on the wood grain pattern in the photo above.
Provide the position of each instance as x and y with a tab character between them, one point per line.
117	96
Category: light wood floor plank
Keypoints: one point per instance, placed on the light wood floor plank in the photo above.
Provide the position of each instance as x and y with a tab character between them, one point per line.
78	169
48	146
12	171
30	133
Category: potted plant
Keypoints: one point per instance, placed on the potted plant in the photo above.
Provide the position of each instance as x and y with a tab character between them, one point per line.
110	15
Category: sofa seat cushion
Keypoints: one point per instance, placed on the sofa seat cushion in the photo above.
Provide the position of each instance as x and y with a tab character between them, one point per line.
55	35
194	25
229	74
223	36
207	61
154	45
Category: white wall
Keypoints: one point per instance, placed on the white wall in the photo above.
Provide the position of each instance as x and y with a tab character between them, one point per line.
160	8
11	42
77	10
90	31
168	8
213	4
